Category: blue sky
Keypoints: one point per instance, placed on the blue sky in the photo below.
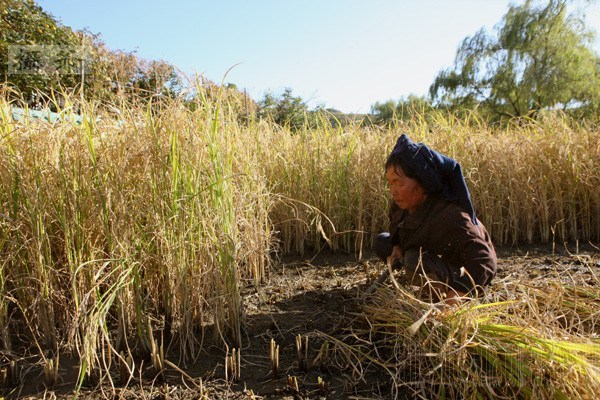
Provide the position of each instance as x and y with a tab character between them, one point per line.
344	54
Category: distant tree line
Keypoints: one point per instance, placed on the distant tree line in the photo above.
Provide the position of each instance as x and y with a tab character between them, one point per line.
539	58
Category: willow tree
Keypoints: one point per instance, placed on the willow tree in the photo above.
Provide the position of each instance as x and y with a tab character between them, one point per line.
538	57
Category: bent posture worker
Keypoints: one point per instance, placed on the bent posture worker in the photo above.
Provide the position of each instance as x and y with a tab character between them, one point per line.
433	231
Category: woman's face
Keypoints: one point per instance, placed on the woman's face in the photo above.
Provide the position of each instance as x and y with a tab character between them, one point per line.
408	194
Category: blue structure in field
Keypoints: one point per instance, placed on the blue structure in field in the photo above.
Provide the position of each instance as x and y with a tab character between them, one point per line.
18	114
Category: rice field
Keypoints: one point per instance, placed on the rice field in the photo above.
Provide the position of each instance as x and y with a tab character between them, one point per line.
141	226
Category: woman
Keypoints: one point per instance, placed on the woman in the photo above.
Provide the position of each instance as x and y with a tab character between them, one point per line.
433	231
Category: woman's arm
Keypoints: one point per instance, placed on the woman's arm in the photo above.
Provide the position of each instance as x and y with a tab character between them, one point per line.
467	249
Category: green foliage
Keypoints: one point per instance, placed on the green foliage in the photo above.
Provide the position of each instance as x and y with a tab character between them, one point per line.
116	74
539	57
287	110
405	109
22	22
108	74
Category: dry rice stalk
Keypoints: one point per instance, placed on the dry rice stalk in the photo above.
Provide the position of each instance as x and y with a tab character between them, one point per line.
126	368
157	354
292	384
322	357
50	372
233	365
302	352
274	357
9	375
323	386
511	347
197	382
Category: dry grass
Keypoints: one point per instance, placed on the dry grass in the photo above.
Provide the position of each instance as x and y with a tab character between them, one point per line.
520	341
111	230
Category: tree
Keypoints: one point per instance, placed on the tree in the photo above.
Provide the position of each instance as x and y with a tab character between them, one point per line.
404	109
287	110
540	57
384	113
107	74
24	23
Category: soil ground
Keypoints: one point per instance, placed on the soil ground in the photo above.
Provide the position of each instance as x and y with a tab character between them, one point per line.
305	297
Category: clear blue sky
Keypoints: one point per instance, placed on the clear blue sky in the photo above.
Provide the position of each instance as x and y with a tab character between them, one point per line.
345	54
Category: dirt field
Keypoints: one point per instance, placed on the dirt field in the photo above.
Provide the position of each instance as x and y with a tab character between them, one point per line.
304	298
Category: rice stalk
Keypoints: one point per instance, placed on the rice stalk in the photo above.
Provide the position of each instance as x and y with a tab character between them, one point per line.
506	347
274	357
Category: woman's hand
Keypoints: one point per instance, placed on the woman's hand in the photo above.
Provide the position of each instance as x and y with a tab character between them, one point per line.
396	256
454	297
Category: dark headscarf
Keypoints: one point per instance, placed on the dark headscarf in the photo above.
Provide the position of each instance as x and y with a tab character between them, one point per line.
438	174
